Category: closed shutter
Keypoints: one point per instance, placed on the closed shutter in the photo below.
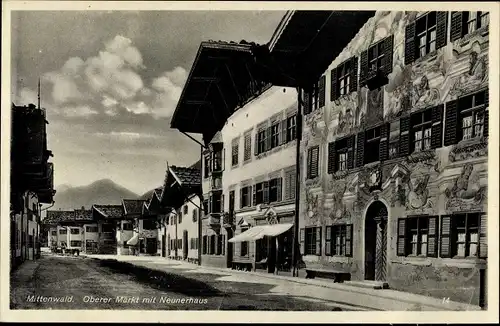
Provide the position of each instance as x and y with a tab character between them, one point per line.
456	25
384	142
348	240
432	246
328	241
318	241
293	180
268	138
388	54
437	126
322	90
441	35
363	73
306	104
265	195
360	150
283	125
278	189
354	74
410	43
254	195
256	143
451	117
483	239
486	113
401	245
313	157
333	85
445	250
301	241
331	157
404	136
350	151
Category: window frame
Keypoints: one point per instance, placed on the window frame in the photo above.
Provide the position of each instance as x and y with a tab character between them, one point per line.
275	135
464	112
244	245
291	128
375	139
422	126
378	58
234	153
427	32
261	140
467	232
419	229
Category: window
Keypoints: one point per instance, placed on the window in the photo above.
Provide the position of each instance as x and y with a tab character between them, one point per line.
206	206
91	229
418	230
185	209
128	227
426	29
107	228
274	190
338	240
259	193
195	214
245	196
472	115
291	128
393	149
217	161
219	245
475	20
234	153
205	245
465	235
75	243
231	201
341	155
261	143
290	181
74	231
54	232
179	217
244	245
344	75
275	135
248	147
63	231
421	130
376	57
372	145
313	241
150	224
206	166
216	203
312	162
212	244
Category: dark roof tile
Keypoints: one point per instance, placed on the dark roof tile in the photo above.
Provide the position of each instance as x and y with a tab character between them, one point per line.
110	211
133	206
187	176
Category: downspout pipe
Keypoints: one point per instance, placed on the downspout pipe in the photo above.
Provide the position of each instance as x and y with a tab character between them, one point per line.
296	249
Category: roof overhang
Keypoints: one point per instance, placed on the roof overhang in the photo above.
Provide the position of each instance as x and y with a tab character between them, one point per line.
222	78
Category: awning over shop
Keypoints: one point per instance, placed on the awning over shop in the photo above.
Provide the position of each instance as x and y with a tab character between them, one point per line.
133	241
261	231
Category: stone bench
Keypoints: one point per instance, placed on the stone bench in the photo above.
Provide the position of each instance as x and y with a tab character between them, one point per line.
337	275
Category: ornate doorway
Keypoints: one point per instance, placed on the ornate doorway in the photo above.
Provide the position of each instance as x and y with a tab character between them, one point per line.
376	242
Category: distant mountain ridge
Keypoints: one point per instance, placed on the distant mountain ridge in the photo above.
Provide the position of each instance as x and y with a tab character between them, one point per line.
102	192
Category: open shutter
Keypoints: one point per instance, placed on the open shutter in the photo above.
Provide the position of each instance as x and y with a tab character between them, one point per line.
328	241
388	54
384	142
331	157
322	91
350	151
450	130
456	25
307	106
445	250
410	43
432	246
254	195
483	239
486	113
302	241
283	131
241	198
348	240
222	203
278	187
360	151
333	85
441	28
354	74
265	185
437	126
401	246
256	144
363	73
318	241
404	136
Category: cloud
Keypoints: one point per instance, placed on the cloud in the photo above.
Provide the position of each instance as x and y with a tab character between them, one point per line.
26	96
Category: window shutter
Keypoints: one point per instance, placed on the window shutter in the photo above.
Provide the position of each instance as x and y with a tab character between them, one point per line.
307	107
486	113
333	85
410	43
483	239
360	150
210	201
363	73
451	117
404	136
293	181
354	74
328	241
318	241
222	203
441	35
348	240
432	237
456	25
350	151
384	142
256	143
388	54
241	198
331	157
437	126
265	185
401	246
445	250
278	187
254	195
301	240
283	132
322	91
268	138
223	244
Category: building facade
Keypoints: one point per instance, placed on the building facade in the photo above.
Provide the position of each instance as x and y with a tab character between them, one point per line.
395	155
107	218
182	233
69	230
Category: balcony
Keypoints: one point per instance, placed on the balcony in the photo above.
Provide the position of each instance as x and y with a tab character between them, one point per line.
214	219
228	219
216	183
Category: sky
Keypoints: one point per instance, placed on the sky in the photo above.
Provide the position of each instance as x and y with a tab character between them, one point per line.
110	82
